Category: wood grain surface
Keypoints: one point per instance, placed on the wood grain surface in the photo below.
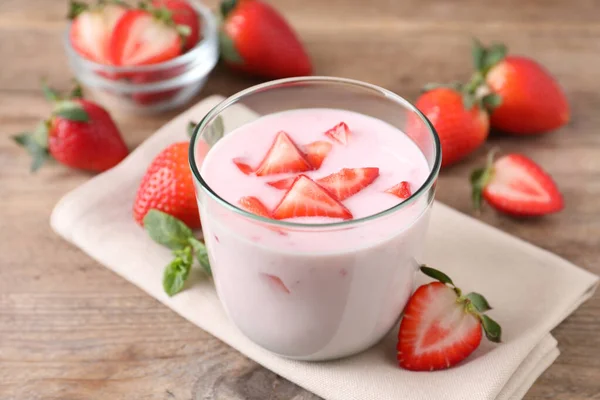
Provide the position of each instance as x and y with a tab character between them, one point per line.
72	330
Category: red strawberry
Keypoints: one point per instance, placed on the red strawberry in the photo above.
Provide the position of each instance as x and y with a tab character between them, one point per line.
168	187
142	38
255	206
256	39
530	100
348	181
340	133
516	185
307	199
441	327
461	129
283	184
183	14
79	134
242	166
401	190
283	156
316	152
92	28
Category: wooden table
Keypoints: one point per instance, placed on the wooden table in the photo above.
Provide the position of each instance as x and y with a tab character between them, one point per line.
70	329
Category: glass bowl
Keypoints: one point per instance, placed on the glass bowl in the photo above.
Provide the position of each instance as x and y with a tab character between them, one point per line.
150	88
313	291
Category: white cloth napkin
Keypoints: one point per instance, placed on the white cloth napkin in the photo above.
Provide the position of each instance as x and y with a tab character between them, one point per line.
531	289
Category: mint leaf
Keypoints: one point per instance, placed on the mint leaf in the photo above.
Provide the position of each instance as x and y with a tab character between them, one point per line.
437	275
167	230
72	111
479	302
201	254
177	272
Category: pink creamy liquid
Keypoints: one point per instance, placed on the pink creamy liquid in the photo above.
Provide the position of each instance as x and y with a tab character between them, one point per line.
315	293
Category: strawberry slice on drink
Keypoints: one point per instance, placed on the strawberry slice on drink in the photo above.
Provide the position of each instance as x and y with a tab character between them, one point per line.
92	28
348	181
283	184
242	166
515	185
316	152
340	133
307	199
283	156
142	38
255	206
441	326
401	190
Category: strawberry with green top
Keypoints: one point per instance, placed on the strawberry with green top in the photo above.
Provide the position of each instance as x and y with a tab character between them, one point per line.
516	185
79	134
183	14
441	326
530	100
257	40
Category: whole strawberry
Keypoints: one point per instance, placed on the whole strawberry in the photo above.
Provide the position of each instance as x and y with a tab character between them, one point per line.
531	101
256	39
515	185
459	119
441	326
79	134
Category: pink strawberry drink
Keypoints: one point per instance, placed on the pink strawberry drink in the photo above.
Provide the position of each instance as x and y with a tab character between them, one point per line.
314	276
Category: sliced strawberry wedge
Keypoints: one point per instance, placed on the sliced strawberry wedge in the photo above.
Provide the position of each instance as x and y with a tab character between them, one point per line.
401	190
141	38
283	184
255	206
92	29
340	133
307	199
283	156
316	152
348	181
441	326
242	166
517	186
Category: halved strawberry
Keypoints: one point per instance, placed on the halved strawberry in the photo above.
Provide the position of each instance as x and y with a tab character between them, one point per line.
283	156
183	14
141	38
441	326
92	29
283	184
401	190
242	166
340	133
255	206
516	185
307	199
316	152
348	181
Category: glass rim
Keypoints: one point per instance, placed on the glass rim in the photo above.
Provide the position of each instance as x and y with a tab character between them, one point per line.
219	108
209	31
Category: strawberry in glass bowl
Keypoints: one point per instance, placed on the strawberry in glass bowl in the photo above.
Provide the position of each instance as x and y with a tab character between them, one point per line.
147	58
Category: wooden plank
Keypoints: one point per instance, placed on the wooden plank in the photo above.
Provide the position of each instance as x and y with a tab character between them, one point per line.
70	329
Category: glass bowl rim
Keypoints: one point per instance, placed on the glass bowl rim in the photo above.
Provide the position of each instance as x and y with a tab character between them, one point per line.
216	110
209	31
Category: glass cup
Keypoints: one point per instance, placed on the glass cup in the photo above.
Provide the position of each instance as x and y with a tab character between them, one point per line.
314	291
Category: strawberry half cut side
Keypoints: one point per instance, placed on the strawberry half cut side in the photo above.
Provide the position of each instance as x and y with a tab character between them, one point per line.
255	206
283	156
517	186
307	199
441	326
242	166
316	152
283	184
401	190
340	133
348	181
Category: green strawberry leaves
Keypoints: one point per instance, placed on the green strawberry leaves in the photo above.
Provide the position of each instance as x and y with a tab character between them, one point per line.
36	144
484	58
228	49
71	110
474	303
480	179
172	233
